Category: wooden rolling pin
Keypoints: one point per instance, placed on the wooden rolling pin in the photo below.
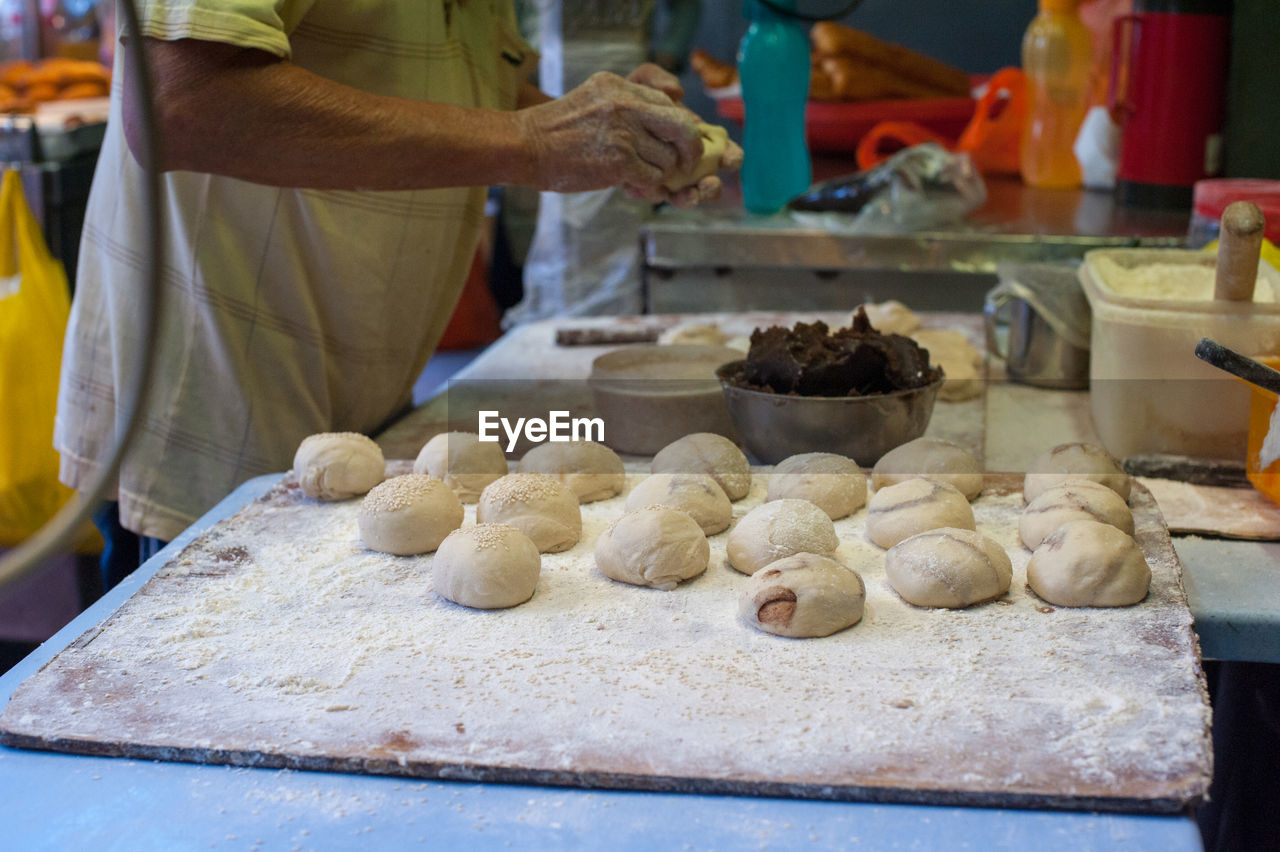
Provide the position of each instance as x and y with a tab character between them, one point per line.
1239	247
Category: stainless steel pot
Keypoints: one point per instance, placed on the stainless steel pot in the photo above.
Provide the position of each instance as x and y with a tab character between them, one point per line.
1036	353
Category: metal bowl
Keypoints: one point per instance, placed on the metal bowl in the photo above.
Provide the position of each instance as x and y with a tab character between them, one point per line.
774	426
650	395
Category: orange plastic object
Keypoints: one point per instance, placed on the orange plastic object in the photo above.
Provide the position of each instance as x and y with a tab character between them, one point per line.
994	136
889	137
1261	405
835	127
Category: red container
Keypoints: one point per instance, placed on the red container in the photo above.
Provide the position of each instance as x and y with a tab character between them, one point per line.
1168	84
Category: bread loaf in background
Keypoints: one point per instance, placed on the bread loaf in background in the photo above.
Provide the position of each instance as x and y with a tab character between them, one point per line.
850	65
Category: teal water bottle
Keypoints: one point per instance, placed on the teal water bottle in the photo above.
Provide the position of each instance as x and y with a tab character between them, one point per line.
773	66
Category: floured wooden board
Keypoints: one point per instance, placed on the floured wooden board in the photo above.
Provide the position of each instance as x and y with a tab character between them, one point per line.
277	640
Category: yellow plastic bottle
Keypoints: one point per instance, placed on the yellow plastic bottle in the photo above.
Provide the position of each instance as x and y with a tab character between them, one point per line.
1056	56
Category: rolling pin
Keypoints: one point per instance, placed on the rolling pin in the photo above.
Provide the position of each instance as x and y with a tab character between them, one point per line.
1239	247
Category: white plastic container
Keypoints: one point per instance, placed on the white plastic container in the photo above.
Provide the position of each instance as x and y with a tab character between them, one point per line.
1148	391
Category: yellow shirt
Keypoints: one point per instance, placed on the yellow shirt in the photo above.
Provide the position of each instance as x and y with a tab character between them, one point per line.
288	311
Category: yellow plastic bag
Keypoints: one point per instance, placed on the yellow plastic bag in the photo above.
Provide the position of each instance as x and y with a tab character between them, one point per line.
34	304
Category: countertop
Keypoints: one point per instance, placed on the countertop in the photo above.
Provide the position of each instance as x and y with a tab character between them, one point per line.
1017	223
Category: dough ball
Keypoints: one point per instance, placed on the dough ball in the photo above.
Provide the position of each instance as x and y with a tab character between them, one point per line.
408	515
930	458
1074	461
708	334
655	546
463	461
833	483
1089	563
900	511
891	317
949	568
488	566
537	505
960	361
695	494
591	471
707	452
1074	500
776	530
338	465
714	141
803	596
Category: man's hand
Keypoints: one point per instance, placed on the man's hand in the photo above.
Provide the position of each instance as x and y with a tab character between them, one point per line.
707	189
608	132
658	78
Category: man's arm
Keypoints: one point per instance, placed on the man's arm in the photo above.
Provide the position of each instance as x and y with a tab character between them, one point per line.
247	114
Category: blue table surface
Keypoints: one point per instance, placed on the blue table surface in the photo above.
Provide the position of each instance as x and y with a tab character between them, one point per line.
56	801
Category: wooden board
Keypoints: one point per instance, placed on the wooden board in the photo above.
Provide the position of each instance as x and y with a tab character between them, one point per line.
277	640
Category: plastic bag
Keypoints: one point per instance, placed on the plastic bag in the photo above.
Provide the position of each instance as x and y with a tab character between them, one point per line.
34	305
921	187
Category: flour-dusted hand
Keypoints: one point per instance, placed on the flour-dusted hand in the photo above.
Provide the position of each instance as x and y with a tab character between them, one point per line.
610	132
657	77
689	187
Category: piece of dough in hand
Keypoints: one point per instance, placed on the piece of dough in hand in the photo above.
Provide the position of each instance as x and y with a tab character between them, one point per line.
948	568
803	596
655	546
488	566
714	141
338	465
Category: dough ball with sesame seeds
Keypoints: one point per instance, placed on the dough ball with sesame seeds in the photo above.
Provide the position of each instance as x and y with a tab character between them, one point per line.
709	453
488	566
900	511
948	568
535	504
338	465
655	546
694	493
463	461
803	596
779	529
590	470
407	515
1072	500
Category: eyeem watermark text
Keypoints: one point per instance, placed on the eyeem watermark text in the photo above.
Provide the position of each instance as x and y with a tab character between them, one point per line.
559	427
